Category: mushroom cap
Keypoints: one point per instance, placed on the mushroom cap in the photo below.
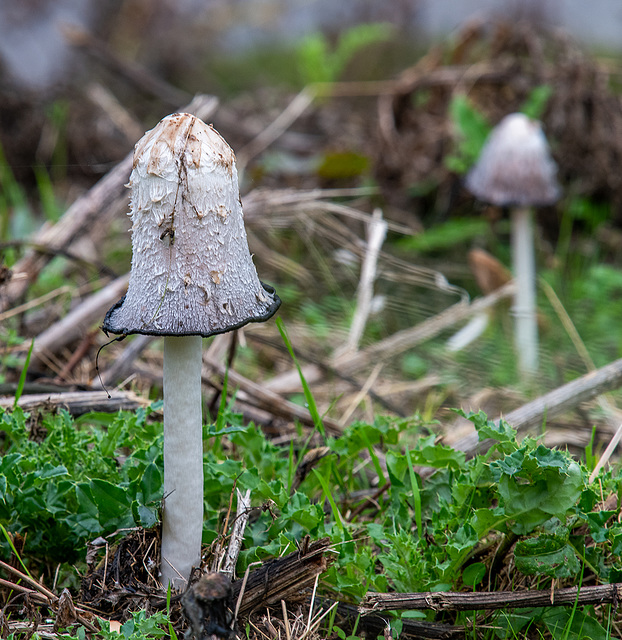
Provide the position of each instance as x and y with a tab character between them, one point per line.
515	167
192	272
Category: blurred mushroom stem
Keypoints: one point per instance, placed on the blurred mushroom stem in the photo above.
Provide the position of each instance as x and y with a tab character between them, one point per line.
182	515
524	310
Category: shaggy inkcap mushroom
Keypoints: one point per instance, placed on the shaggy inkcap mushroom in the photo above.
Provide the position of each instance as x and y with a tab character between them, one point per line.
192	273
192	276
515	169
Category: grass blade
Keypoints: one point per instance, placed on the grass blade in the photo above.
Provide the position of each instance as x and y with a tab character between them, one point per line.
331	500
315	415
14	550
22	377
416	494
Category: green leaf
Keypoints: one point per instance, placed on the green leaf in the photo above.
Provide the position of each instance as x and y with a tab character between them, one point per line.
573	624
547	554
22	377
499	430
429	454
151	483
536	102
474	574
414	485
329	496
315	415
444	236
529	505
471	130
397	467
113	503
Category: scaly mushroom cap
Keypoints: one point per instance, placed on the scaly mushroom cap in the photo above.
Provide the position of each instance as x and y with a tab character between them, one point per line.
515	167
192	272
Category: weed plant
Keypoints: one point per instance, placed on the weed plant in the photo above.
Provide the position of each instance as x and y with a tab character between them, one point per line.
64	482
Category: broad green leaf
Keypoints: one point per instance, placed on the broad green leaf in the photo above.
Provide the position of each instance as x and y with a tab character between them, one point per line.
474	574
113	503
499	430
151	483
550	493
429	454
548	555
573	624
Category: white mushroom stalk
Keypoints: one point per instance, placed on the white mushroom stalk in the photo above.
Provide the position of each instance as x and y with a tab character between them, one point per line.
515	169
192	276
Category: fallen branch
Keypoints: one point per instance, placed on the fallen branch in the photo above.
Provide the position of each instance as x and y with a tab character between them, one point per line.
376	233
408	338
40	593
260	397
237	534
453	601
80	319
552	404
283	578
78	402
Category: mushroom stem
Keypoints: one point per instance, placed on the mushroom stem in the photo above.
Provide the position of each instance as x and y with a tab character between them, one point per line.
523	264
182	515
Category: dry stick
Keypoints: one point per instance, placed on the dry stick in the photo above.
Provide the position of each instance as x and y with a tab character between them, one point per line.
258	396
80	319
374	625
107	102
38	587
31	304
282	578
362	393
102	200
552	404
452	601
78	402
330	370
288	632
408	338
82	349
376	233
276	128
237	534
589	363
261	201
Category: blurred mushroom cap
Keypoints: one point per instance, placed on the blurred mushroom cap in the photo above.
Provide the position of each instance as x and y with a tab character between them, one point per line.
192	272
515	167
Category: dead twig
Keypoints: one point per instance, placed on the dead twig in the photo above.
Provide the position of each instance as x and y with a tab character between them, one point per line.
283	578
237	534
45	596
458	601
408	338
80	319
135	73
376	233
552	404
260	397
78	402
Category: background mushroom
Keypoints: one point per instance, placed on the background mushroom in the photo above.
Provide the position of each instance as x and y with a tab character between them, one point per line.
515	169
192	276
